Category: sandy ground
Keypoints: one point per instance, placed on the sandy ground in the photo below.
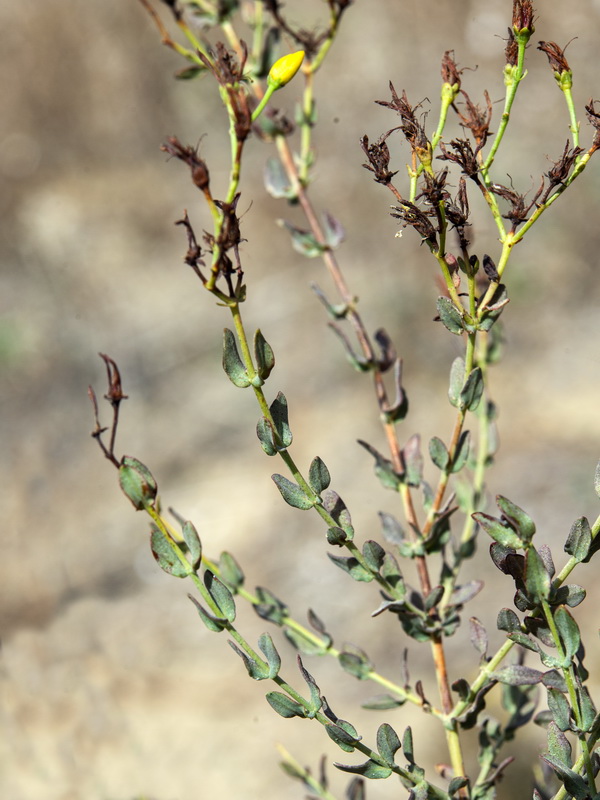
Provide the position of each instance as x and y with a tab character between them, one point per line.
110	687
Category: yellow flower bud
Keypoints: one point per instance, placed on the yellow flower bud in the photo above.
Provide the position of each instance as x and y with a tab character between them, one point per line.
284	69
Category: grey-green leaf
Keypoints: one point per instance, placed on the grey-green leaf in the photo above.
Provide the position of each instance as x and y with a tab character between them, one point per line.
413	460
232	363
450	315
192	540
137	482
343	734
276	180
279	412
569	632
270	607
517	517
231	572
304	643
388	743
382	702
472	390
221	595
588	710
499	532
391	528
517	675
316	701
508	621
574	784
462	451
318	475
370	769
384	469
266	436
407	745
579	539
479	637
165	554
373	554
285	706
292	493
265	359
560	709
257	670
269	650
558	746
439	453
457	379
356	662
352	567
213	623
303	241
537	579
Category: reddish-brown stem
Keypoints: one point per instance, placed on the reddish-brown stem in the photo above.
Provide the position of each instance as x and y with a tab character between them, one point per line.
443	483
164	34
439	657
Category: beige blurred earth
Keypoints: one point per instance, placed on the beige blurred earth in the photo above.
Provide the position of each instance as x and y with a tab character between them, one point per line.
110	686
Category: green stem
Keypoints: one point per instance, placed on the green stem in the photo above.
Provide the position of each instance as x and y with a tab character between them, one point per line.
448	96
434	792
306	129
205	594
234	180
195	42
580	166
258	25
574	124
284	454
327	649
569	676
265	99
507	245
297	771
513	77
486	669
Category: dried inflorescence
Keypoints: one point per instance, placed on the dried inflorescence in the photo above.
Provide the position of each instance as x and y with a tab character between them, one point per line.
563	167
594	120
451	74
229	72
310	41
556	56
413	216
462	153
411	127
511	51
189	156
523	16
378	154
476	119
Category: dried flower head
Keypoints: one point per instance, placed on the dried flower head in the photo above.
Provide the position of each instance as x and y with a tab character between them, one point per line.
378	155
189	156
594	120
511	51
522	18
475	118
412	215
411	127
562	168
450	72
556	56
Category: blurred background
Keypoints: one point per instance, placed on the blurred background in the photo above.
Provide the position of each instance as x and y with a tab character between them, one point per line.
111	687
